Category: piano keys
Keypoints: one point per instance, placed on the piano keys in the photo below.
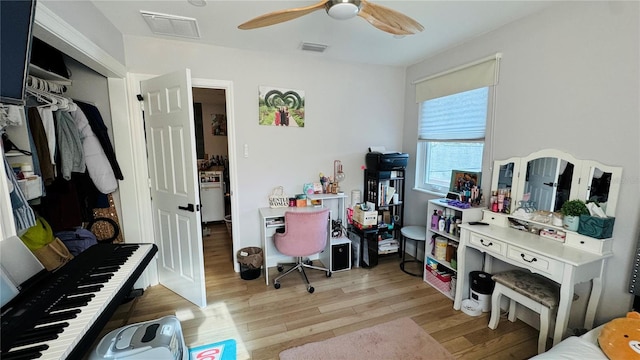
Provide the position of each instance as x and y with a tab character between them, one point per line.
60	316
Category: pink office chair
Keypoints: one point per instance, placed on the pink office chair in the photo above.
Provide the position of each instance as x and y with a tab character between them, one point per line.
305	234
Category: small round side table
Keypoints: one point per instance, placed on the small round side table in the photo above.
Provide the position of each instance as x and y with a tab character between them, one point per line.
417	234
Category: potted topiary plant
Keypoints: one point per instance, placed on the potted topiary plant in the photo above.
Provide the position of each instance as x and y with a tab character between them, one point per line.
571	211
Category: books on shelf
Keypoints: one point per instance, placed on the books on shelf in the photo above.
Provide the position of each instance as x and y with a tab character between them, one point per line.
385	193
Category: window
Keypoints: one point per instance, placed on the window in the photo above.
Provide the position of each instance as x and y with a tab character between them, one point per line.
452	137
453	117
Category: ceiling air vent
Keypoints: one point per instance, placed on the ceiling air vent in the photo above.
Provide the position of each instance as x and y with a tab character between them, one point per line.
313	47
171	25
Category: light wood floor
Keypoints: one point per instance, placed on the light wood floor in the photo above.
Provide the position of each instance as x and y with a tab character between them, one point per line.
264	321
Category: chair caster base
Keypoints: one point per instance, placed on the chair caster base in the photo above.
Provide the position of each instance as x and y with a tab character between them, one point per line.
310	289
328	274
276	285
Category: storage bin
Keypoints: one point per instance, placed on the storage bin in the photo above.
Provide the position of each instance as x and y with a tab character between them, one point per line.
596	227
365	217
437	280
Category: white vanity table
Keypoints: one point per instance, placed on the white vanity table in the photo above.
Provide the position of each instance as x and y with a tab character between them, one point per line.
563	264
578	259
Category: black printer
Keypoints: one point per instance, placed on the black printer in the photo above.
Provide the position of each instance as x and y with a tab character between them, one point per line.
377	161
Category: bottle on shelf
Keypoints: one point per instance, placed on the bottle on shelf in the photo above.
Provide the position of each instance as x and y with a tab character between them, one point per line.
494	201
434	219
433	245
501	200
507	202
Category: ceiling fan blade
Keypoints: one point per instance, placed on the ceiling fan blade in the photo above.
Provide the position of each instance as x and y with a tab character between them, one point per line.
277	17
388	20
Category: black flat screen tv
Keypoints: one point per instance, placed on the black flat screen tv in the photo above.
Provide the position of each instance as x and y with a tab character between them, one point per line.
16	27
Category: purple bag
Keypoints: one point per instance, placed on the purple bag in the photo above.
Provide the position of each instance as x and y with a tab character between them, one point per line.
77	240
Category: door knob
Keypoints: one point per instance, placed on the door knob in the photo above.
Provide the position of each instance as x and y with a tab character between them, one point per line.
189	207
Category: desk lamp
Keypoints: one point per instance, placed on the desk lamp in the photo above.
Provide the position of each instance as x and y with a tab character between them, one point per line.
338	174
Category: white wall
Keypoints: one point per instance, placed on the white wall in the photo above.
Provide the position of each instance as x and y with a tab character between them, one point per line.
85	17
348	108
569	81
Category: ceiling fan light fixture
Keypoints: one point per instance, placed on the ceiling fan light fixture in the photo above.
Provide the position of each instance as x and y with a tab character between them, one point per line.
343	10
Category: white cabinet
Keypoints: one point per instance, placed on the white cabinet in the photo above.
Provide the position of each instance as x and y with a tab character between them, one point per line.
442	243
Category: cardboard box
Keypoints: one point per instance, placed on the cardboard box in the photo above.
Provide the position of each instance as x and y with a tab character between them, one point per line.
365	217
596	227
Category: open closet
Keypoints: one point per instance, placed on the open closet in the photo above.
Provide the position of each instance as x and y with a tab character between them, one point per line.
58	147
61	151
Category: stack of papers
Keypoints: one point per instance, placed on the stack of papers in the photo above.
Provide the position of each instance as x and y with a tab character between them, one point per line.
388	245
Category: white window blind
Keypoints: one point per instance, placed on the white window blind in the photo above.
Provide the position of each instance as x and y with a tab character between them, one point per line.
461	116
480	73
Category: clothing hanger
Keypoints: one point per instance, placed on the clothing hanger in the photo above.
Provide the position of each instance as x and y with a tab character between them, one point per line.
50	93
50	99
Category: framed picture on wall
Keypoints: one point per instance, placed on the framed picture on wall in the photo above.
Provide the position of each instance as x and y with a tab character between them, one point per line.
280	107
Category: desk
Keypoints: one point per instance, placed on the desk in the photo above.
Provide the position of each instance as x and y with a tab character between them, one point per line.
273	218
554	260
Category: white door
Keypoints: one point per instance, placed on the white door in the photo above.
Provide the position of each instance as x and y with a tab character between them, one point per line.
169	129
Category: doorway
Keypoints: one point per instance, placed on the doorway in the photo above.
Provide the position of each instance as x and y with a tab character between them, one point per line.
212	148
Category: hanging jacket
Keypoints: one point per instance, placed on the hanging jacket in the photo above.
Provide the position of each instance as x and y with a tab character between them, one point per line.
100	129
98	165
41	144
69	145
46	115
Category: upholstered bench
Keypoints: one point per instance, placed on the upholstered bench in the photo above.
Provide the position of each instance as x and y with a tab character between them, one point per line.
531	290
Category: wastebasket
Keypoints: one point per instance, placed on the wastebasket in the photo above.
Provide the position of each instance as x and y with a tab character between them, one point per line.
481	289
250	259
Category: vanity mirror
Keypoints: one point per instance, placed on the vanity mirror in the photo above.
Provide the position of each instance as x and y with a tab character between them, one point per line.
602	185
505	175
550	177
549	180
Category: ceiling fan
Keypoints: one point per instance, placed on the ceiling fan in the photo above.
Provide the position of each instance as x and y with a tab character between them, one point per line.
379	16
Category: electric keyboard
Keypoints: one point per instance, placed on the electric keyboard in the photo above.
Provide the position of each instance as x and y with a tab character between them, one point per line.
60	316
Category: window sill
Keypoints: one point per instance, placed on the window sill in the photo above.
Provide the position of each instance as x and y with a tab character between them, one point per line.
430	192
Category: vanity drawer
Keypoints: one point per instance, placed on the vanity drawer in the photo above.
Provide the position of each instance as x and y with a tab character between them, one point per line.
534	260
493	218
586	243
489	244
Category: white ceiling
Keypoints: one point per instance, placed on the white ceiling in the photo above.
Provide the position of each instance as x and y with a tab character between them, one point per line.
447	24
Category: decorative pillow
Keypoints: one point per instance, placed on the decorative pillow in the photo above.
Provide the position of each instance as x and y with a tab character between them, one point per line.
620	338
